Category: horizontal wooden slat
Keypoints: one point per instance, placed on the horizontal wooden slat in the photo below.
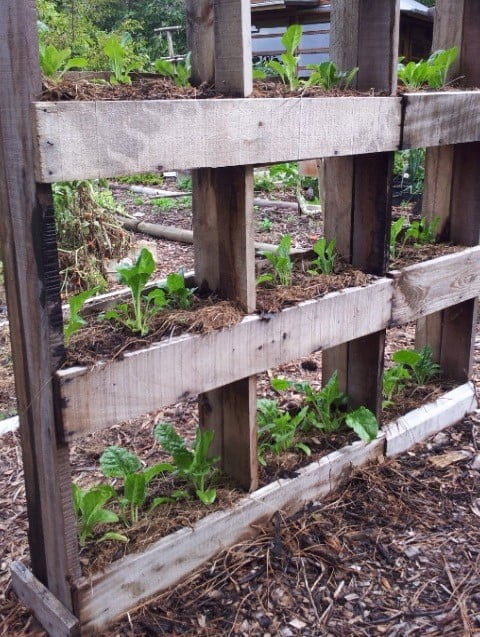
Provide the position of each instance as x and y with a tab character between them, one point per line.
439	119
172	370
434	285
53	616
429	419
77	140
137	577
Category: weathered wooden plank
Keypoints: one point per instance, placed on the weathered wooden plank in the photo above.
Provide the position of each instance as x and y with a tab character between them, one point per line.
31	277
233	47
429	419
201	40
52	615
458	338
434	285
168	372
439	119
76	140
137	577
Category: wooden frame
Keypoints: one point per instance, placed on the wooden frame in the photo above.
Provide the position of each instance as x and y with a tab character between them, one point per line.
222	139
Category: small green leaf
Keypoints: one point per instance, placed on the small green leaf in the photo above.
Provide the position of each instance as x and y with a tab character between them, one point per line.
280	384
208	496
363	423
162	467
117	462
112	536
406	357
135	488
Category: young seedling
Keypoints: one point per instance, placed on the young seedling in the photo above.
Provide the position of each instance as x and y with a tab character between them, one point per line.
54	62
117	462
422	232
287	68
432	72
136	277
281	263
116	52
420	364
277	429
395	231
89	512
363	423
325	261
193	465
265	224
394	380
75	321
328	76
176	292
179	72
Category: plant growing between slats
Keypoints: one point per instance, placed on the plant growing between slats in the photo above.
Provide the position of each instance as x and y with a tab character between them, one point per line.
281	263
432	72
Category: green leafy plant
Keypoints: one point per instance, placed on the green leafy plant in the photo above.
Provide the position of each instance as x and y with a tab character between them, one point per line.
90	512
394	380
75	321
325	261
54	62
118	462
363	423
281	263
176	291
277	429
178	72
136	276
432	72
265	224
193	465
328	76
263	182
117	54
395	232
286	69
422	232
184	183
419	363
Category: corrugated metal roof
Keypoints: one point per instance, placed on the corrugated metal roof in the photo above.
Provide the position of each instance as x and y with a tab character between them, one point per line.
414	6
405	5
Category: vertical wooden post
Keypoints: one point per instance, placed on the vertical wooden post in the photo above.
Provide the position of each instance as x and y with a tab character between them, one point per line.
452	192
223	228
29	255
357	206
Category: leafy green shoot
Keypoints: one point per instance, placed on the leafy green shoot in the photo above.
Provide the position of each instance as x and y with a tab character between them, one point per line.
328	76
136	277
286	69
193	465
327	407
363	423
54	62
395	232
117	462
325	261
277	429
90	512
422	232
281	263
116	51
265	224
178	72
394	380
75	321
176	291
420	364
432	72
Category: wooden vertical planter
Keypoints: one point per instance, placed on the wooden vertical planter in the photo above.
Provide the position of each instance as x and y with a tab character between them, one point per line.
221	140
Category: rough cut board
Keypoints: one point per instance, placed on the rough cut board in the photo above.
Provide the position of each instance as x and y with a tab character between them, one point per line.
424	288
429	419
439	119
170	371
77	140
134	579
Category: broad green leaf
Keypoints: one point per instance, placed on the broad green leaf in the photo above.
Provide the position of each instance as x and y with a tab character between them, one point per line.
291	38
406	357
305	448
164	67
208	496
280	384
117	462
135	489
95	498
160	500
166	435
363	423
151	472
175	282
102	516
264	278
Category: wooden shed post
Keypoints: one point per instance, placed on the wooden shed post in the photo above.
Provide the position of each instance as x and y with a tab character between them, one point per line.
223	226
29	254
452	192
357	206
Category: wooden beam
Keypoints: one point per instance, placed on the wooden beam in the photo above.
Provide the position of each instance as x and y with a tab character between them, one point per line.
425	288
201	40
169	371
137	577
358	189
57	620
428	420
28	247
75	140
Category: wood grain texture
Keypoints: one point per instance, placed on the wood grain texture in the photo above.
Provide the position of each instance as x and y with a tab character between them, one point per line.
138	577
429	419
170	371
438	187
233	47
75	140
30	268
425	288
201	40
57	620
439	119
458	338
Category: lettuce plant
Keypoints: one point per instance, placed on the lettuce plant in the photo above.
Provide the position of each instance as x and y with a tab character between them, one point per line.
90	512
116	51
281	263
277	429
328	76
75	321
194	465
420	364
55	62
325	261
432	72
179	72
286	69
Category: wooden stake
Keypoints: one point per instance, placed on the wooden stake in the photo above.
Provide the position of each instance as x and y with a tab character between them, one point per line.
357	204
224	240
29	255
